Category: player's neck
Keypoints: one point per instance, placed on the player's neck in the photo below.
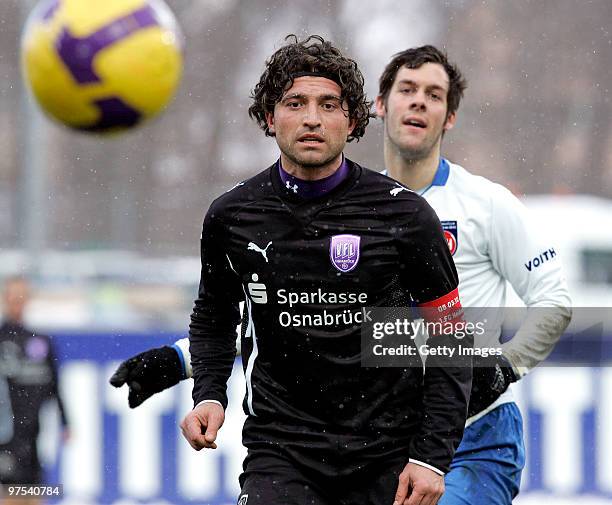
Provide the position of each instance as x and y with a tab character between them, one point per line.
310	173
415	173
13	321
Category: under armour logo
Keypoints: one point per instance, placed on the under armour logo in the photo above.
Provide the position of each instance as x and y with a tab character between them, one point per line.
397	191
293	188
264	252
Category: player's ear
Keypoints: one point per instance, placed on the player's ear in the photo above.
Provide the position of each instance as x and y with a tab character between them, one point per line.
352	124
270	121
380	107
450	121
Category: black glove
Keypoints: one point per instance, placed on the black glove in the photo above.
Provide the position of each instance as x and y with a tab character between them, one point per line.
492	376
148	373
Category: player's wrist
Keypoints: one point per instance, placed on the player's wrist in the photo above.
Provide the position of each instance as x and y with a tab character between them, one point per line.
217	402
182	350
210	397
519	371
425	465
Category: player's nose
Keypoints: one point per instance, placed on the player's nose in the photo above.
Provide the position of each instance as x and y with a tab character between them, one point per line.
312	119
418	101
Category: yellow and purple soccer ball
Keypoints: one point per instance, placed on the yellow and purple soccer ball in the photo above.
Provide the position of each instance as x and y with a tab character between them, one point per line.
102	65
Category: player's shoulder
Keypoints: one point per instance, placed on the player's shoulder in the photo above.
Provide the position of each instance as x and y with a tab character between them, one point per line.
381	186
245	192
391	200
479	187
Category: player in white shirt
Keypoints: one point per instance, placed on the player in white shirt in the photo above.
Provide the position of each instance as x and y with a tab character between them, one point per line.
493	240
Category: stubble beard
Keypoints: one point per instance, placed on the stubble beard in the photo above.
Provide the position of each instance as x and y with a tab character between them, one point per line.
419	152
311	164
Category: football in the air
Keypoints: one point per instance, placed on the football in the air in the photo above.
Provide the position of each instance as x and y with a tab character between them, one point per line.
102	65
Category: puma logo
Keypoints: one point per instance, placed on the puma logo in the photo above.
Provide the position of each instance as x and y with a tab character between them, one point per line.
264	252
397	191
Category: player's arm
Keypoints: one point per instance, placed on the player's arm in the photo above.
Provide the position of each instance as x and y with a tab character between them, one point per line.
430	275
535	272
212	335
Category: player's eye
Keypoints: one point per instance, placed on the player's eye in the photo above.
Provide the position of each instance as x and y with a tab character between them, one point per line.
329	106
293	104
435	96
407	88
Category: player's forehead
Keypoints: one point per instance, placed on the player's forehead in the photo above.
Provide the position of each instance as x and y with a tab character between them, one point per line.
427	75
313	87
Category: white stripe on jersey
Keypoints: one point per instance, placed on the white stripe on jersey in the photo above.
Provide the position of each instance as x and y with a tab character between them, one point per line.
250	333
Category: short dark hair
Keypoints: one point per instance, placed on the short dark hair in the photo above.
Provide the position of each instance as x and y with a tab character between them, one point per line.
416	57
313	55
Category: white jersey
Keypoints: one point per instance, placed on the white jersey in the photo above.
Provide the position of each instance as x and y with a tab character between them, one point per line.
494	239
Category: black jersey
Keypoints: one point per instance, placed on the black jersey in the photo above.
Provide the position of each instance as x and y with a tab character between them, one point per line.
28	378
305	270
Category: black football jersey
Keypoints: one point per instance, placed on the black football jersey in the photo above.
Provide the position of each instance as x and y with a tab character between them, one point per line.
306	269
28	378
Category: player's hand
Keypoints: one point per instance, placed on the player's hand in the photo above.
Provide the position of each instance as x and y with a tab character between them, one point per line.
201	425
491	377
148	373
418	486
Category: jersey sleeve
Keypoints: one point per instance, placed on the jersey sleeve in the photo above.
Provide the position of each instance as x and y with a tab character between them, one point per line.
535	272
427	267
212	332
430	276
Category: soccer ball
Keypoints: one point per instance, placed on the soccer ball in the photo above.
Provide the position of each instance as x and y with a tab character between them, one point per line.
102	65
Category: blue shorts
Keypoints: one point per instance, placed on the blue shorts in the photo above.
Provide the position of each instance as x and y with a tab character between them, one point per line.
488	463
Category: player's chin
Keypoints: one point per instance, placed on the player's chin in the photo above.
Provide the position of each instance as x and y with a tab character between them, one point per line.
412	138
313	158
413	148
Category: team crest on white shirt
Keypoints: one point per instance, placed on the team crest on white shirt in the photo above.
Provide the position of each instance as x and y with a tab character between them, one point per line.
451	235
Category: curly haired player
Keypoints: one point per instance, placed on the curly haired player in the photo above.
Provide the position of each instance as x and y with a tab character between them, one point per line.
321	428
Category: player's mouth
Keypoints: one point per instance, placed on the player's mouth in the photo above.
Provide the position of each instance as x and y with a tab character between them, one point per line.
311	139
415	122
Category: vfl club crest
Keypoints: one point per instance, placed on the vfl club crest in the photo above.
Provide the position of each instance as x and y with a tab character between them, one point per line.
344	252
451	235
